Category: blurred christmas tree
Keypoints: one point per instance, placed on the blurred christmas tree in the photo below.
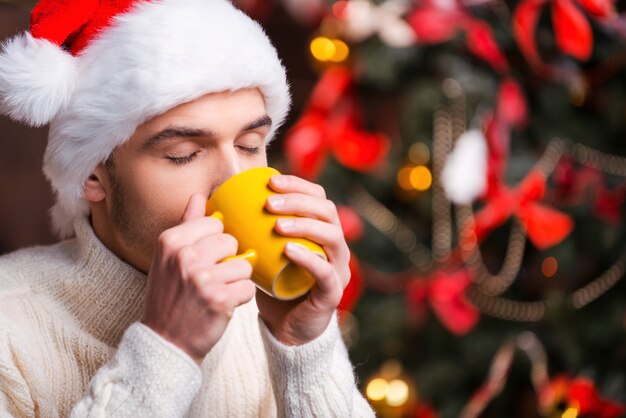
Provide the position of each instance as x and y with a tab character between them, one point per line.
476	149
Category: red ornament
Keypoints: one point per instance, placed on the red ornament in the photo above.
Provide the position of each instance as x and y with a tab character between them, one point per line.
360	150
351	223
572	30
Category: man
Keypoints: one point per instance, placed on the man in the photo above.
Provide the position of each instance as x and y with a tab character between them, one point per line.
152	105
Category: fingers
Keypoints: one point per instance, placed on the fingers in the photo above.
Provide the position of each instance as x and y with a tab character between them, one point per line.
207	251
225	286
196	207
190	232
327	235
328	282
303	205
293	184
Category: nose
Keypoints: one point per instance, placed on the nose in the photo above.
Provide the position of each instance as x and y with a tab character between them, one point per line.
227	165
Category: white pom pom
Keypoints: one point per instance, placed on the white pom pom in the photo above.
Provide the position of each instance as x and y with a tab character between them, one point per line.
464	176
37	79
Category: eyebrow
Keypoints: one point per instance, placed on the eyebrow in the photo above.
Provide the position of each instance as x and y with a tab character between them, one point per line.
186	132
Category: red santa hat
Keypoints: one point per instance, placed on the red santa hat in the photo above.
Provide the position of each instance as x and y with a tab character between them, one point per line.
97	69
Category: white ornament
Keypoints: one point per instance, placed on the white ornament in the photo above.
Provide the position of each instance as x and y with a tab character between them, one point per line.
464	176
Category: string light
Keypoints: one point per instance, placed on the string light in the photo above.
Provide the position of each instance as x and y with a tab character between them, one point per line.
419	154
441	222
389	224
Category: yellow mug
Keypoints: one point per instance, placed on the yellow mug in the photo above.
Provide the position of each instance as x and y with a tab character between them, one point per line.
240	204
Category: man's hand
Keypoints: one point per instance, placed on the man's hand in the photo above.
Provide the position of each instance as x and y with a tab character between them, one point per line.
302	320
191	296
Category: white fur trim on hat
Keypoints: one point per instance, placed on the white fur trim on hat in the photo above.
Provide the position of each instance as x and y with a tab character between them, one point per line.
37	78
156	56
464	176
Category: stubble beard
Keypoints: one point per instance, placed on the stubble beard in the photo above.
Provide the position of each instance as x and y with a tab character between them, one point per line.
138	232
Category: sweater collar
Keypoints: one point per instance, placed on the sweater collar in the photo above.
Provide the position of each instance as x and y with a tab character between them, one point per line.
110	293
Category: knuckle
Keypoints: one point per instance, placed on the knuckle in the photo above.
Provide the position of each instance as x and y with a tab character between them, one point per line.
216	300
167	239
186	256
201	279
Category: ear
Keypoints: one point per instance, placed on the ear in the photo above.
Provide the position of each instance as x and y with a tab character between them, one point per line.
97	185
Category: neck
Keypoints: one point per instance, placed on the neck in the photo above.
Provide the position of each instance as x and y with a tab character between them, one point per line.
110	238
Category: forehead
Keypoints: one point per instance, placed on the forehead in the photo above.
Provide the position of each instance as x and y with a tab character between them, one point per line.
214	106
216	112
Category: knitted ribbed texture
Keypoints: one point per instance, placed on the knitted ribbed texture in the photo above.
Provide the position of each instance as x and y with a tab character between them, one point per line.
70	343
314	379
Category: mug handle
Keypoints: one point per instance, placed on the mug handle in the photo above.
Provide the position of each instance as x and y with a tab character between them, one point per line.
251	255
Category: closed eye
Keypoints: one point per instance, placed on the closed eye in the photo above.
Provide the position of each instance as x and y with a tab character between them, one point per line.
248	150
182	160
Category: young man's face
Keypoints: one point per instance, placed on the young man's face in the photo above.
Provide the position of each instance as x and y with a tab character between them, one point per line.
194	147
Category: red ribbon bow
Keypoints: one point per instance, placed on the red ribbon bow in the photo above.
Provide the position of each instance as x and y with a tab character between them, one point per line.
445	292
331	124
545	226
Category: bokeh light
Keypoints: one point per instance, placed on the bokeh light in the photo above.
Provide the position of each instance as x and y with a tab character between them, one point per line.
420	178
549	266
325	49
570	413
397	392
377	389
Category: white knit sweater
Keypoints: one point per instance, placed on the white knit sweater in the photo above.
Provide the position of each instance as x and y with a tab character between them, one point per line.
70	345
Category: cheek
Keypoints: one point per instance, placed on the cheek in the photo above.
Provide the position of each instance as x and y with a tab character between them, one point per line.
161	193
